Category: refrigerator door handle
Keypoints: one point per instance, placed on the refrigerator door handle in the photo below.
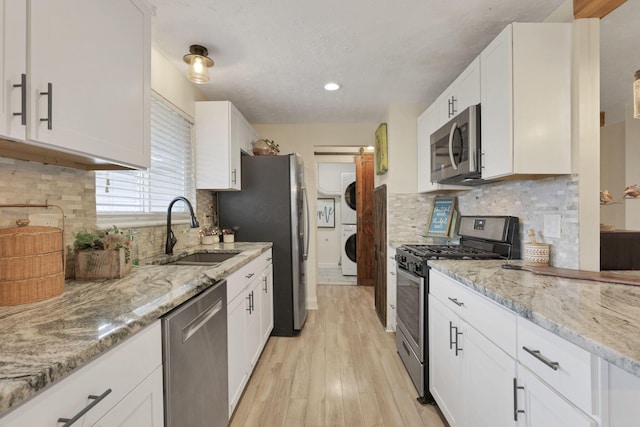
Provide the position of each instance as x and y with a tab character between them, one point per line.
305	255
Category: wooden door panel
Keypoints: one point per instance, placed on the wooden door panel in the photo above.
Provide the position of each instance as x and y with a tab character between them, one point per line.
364	218
380	249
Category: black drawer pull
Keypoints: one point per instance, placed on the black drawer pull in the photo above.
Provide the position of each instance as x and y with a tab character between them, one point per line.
96	399
456	302
49	94
540	357
23	99
516	411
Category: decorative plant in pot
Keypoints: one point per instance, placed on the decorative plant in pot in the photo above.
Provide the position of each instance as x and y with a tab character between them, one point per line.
209	235
227	235
102	254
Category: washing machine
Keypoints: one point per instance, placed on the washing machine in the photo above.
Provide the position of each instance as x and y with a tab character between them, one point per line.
348	198
348	255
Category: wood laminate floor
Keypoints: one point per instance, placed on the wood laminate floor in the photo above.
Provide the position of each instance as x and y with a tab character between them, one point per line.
342	370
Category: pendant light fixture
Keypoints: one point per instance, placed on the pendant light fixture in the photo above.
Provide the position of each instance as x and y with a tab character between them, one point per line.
636	96
199	64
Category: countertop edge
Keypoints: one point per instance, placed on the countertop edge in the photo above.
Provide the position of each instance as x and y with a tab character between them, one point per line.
593	346
14	392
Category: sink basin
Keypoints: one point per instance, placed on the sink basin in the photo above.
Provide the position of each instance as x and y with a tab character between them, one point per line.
204	259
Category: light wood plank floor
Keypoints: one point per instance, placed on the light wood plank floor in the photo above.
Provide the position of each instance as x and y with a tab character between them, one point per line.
342	370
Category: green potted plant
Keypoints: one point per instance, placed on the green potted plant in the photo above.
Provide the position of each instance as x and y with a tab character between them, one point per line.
102	254
209	235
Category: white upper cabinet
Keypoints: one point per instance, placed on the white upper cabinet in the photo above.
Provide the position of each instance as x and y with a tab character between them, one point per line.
89	78
13	57
221	134
526	101
462	93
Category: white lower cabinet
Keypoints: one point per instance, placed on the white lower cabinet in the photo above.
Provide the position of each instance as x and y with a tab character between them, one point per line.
143	407
543	407
471	378
249	317
127	380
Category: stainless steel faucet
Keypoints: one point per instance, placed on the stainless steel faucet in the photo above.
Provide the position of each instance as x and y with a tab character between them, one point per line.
171	239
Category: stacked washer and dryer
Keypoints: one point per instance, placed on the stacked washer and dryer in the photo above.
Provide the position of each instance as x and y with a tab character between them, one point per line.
348	220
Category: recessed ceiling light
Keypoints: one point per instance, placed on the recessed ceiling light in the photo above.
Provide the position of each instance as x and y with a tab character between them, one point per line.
331	86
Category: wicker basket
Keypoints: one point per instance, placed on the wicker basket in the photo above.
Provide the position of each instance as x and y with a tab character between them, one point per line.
31	264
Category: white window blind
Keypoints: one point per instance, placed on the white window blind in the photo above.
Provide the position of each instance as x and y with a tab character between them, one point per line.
142	197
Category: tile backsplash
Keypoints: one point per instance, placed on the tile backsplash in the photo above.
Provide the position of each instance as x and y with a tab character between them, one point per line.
529	200
23	182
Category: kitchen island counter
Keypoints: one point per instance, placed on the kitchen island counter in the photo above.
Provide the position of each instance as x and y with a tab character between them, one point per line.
45	341
602	318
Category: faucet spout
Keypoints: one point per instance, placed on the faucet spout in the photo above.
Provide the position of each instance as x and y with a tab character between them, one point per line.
171	239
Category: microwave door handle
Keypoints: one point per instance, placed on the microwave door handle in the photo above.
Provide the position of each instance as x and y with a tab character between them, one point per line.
454	126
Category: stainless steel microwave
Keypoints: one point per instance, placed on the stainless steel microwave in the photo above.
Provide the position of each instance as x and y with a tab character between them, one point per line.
455	150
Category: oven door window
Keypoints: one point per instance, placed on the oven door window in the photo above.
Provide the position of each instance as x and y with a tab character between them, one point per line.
410	303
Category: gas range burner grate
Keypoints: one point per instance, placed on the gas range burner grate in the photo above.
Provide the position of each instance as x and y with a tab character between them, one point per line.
450	252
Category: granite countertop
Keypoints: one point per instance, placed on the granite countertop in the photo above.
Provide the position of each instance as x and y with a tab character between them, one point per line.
602	318
45	341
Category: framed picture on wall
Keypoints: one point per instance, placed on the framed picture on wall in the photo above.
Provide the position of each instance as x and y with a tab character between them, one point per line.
382	162
326	213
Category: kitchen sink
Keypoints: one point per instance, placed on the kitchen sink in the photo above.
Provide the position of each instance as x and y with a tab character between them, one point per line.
204	259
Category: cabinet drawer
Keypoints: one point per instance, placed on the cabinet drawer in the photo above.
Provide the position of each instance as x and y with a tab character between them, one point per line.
121	369
564	366
239	279
493	321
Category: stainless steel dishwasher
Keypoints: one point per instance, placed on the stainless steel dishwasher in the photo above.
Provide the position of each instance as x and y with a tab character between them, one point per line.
194	349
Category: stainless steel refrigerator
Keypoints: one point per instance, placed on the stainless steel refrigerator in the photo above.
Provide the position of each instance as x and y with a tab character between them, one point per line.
272	207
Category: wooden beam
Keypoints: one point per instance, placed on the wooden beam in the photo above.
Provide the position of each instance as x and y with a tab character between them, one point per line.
594	8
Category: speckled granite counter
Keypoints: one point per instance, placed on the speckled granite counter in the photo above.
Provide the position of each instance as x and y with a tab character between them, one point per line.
44	341
603	318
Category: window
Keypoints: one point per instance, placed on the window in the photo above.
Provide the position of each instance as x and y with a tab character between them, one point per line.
142	197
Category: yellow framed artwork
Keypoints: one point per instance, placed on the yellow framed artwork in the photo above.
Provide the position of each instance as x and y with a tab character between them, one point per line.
382	162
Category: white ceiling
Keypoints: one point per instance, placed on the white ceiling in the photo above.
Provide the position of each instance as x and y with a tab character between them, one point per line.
273	57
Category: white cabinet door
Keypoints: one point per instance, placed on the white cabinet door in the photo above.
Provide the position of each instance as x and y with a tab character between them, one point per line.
266	303
217	144
13	66
488	382
526	101
254	317
89	78
445	367
545	408
497	110
143	407
463	92
237	348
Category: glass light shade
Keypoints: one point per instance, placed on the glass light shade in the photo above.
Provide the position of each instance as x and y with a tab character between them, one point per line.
198	71
636	96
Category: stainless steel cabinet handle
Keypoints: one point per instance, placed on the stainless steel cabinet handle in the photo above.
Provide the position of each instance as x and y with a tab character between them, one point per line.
23	99
451	327
540	357
456	302
253	307
233	176
458	349
516	411
250	275
96	399
265	284
454	111
248	298
49	94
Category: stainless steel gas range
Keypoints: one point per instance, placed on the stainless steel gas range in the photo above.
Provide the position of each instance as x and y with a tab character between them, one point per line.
481	237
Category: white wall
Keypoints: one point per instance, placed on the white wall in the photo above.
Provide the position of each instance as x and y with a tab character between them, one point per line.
172	84
329	243
632	173
302	138
402	136
612	172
